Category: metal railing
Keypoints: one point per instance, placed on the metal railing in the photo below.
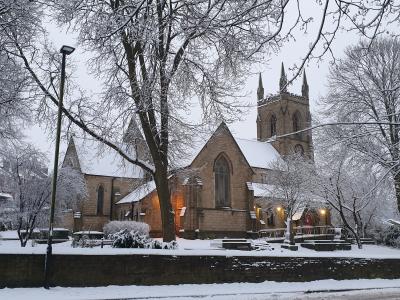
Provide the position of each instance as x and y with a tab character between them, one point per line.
298	231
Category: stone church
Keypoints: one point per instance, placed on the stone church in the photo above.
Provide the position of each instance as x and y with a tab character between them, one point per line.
221	190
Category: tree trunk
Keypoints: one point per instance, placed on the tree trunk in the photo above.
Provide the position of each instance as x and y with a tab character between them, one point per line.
358	240
23	239
289	236
397	189
167	213
347	225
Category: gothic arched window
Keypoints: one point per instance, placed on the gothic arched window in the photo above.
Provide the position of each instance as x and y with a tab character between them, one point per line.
273	125
222	182
100	200
296	121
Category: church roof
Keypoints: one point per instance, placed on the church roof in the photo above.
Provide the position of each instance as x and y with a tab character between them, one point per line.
258	154
139	193
98	159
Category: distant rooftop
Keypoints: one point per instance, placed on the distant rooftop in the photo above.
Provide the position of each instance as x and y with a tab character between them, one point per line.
96	158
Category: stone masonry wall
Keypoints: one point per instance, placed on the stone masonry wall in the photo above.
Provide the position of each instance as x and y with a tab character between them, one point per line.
26	270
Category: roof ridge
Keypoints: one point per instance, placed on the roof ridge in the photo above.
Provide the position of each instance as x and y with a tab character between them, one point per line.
251	140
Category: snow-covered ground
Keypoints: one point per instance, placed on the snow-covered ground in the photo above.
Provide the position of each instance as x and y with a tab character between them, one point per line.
322	289
198	247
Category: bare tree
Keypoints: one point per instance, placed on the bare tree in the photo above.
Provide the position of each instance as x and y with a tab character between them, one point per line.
292	182
26	177
364	89
353	189
155	56
19	19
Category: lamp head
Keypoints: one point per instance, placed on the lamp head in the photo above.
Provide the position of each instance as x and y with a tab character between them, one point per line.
67	50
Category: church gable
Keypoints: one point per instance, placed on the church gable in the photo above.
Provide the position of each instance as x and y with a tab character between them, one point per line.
223	170
221	142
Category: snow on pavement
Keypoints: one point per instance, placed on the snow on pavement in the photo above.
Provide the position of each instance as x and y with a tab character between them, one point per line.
264	290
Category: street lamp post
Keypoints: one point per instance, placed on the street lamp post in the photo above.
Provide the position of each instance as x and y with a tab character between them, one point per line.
65	50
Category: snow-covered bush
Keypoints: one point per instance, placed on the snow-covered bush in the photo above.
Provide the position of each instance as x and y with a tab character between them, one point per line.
133	239
388	235
116	226
129	239
84	242
155	244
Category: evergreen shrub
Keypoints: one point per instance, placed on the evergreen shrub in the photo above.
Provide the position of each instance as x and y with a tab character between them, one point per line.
133	239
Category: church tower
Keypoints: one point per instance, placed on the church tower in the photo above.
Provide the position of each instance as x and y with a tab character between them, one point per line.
285	113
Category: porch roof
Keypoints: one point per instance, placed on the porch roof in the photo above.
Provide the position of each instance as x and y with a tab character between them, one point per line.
139	193
262	190
298	214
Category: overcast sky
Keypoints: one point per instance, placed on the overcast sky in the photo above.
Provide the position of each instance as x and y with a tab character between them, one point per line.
290	54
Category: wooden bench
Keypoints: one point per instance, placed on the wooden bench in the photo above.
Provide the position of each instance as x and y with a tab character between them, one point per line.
105	242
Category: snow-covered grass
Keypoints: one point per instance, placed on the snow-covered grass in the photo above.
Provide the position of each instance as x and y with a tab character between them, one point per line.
199	247
264	290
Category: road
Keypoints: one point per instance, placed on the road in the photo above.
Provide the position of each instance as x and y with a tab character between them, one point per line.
364	294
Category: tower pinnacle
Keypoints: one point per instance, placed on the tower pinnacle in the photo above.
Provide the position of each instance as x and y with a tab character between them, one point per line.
260	89
304	87
283	80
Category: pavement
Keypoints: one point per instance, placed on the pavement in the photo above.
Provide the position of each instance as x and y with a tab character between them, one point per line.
354	294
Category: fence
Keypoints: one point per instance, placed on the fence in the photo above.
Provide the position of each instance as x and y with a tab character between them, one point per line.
299	231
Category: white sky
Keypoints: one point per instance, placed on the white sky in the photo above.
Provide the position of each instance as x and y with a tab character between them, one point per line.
290	54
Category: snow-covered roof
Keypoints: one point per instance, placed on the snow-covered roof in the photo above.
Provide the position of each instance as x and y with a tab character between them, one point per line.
139	193
96	158
394	222
88	232
261	189
6	195
258	154
299	213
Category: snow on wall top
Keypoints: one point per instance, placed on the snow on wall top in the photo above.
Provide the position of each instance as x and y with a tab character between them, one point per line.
139	193
258	154
98	159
